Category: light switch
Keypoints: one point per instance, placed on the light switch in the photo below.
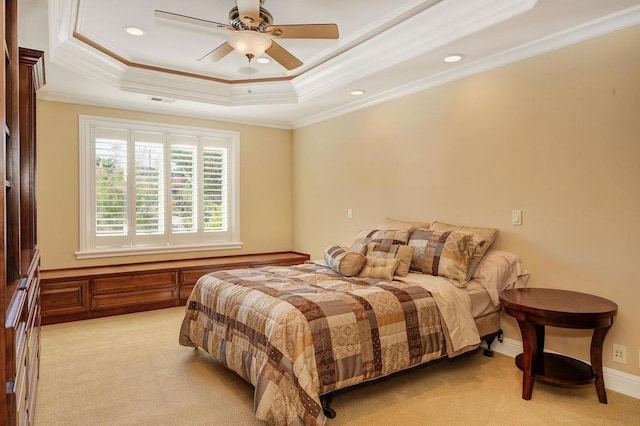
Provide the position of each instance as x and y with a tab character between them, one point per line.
349	213
516	217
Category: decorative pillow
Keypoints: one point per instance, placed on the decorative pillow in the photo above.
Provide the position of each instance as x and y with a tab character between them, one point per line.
443	253
382	269
391	224
383	237
485	237
344	261
394	251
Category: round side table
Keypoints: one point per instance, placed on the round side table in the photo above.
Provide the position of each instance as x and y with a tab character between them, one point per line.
534	308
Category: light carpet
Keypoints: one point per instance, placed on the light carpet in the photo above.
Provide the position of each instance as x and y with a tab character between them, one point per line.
130	370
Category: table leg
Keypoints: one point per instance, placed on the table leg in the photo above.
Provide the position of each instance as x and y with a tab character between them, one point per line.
529	356
540	340
596	361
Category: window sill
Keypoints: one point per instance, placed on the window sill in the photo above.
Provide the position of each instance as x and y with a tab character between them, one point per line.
133	251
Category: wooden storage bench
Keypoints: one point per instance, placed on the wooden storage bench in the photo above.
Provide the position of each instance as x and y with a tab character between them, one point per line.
82	293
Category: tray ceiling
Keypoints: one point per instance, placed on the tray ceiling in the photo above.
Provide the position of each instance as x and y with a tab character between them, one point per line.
387	49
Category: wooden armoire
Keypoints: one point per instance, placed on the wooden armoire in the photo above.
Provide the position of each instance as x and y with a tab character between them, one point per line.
21	74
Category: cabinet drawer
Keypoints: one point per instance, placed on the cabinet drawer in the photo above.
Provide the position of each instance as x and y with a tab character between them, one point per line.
20	342
64	297
33	293
278	263
20	392
134	282
185	291
133	298
33	332
190	276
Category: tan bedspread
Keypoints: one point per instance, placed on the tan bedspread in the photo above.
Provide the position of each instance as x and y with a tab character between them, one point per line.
299	332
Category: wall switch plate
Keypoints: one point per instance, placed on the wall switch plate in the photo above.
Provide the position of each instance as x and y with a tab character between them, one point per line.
619	354
349	213
516	217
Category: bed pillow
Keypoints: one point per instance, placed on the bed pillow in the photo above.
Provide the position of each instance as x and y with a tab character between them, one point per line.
384	237
343	260
391	224
382	269
498	271
393	251
443	253
485	237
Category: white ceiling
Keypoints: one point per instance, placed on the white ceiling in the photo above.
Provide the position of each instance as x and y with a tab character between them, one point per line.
387	48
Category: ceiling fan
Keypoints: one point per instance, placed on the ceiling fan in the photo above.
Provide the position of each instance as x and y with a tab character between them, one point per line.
252	33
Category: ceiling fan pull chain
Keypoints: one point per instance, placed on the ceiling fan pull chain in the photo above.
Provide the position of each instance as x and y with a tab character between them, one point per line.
249	56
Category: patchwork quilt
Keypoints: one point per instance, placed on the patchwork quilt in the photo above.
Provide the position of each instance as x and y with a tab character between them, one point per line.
299	332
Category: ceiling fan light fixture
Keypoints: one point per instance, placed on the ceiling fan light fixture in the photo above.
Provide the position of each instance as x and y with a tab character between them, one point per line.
249	42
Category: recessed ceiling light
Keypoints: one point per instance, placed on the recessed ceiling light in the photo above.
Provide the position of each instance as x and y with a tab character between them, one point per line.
134	31
358	92
453	58
263	60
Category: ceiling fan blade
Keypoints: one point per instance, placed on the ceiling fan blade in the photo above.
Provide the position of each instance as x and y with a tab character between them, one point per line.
190	20
249	12
304	31
218	53
283	57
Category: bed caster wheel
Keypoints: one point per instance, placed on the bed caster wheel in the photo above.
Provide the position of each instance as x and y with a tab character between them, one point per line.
330	413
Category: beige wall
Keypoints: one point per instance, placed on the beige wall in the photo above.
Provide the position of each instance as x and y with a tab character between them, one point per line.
265	182
557	136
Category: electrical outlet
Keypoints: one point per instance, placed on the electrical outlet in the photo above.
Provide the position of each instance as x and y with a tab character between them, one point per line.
620	354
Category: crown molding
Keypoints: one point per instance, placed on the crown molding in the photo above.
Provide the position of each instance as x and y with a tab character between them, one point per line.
159	108
598	27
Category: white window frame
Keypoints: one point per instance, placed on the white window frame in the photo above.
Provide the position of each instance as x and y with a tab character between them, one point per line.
203	241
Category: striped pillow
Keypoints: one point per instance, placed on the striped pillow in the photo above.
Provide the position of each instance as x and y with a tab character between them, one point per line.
393	251
443	253
385	238
344	261
485	237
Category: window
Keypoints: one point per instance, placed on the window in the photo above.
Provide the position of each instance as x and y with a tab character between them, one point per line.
147	187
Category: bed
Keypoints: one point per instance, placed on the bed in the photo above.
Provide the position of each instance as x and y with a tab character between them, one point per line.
300	333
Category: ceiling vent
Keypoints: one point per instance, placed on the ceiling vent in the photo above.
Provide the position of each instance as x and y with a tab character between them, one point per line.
161	99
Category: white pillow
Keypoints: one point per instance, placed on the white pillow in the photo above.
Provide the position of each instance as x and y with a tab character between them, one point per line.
498	271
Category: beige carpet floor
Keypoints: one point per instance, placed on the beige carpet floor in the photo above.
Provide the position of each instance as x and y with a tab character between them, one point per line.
130	370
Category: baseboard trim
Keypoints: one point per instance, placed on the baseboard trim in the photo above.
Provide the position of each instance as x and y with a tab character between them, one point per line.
615	380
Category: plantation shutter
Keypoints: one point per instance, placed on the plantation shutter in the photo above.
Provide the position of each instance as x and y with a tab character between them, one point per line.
184	205
111	177
214	170
149	183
